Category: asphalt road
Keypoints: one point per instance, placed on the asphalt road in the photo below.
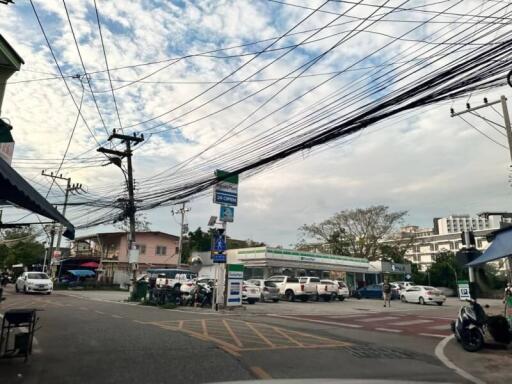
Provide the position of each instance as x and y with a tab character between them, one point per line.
83	340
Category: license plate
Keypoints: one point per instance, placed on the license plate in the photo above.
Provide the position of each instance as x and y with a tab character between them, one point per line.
436	294
252	291
41	286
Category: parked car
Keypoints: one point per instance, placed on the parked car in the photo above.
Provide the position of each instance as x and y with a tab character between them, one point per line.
250	292
343	290
268	289
422	294
403	284
293	287
374	291
34	282
327	290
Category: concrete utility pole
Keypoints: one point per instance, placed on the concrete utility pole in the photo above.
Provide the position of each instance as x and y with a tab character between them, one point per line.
131	209
508	129
181	211
69	188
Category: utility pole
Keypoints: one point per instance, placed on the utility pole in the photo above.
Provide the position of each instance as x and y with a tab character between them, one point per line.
131	209
508	129
69	188
181	211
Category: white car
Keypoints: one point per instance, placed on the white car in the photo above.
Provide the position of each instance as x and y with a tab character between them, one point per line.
250	292
422	294
34	282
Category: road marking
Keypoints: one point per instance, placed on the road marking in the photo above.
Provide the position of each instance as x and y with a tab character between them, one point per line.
99	312
260	373
432	335
261	336
412	322
84	309
117	316
445	327
439	351
205	330
386	318
232	334
318	321
389	330
286	336
229	350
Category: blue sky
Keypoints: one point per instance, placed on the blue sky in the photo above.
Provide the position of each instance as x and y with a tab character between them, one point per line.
421	162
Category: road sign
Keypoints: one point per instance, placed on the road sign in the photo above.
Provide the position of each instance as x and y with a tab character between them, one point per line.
226	190
219	258
464	292
234	284
226	214
219	243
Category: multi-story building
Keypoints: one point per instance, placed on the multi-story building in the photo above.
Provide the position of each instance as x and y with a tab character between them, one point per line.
424	244
110	251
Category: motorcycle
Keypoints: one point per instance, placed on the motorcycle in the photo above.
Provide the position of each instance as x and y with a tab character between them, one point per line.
204	295
472	323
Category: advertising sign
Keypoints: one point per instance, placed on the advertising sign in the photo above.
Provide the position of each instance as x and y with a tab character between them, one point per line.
463	287
226	191
235	276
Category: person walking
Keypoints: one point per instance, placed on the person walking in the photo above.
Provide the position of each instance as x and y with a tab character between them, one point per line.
386	293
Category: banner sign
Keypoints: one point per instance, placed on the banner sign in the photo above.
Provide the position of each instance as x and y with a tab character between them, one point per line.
235	280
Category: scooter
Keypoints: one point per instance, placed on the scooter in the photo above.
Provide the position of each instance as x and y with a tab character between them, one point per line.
204	295
472	323
469	326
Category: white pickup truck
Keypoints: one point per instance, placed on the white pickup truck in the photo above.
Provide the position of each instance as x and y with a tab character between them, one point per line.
302	288
327	290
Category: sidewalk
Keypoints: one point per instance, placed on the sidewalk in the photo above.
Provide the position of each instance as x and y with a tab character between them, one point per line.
115	296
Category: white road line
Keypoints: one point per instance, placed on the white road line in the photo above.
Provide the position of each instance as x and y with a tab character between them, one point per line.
432	335
413	322
445	327
389	330
386	318
439	351
318	321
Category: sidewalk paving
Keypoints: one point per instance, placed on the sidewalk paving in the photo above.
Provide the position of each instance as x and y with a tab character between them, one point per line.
115	296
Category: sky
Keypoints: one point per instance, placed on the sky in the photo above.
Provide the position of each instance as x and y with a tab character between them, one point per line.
424	161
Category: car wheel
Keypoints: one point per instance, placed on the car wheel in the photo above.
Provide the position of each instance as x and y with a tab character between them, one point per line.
25	290
290	296
304	299
251	301
439	303
341	298
402	299
421	301
49	292
333	296
16	288
275	300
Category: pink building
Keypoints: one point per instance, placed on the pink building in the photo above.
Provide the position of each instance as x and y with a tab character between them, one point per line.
156	250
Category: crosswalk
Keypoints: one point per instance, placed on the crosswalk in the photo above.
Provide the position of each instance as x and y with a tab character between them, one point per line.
401	323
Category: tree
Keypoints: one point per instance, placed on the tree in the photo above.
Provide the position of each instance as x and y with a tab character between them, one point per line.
356	232
443	271
20	246
397	249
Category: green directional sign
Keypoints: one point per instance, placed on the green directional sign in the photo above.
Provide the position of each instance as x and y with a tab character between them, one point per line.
223	176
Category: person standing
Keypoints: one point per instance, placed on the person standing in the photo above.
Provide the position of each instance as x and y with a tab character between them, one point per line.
386	293
508	292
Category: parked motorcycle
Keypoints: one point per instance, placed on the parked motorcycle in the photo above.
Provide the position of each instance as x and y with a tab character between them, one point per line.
204	295
472	323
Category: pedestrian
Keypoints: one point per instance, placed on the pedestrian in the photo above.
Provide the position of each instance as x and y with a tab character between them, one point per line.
386	293
508	292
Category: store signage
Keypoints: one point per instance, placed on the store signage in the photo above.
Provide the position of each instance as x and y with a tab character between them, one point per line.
225	192
463	287
235	275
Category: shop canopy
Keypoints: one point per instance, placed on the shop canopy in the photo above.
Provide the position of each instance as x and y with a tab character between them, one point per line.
81	272
16	190
500	247
90	264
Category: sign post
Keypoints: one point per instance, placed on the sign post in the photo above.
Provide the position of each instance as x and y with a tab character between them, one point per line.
235	277
463	288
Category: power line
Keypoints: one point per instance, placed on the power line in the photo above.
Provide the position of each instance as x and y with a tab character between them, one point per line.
483	133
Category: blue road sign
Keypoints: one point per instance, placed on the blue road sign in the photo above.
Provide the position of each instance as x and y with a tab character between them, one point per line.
219	258
224	197
226	214
219	244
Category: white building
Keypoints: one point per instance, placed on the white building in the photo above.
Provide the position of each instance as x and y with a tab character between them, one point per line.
446	235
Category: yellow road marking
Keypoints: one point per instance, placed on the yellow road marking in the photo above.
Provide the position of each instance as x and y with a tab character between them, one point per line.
278	330
261	335
229	350
180	324
99	312
232	334
260	373
117	316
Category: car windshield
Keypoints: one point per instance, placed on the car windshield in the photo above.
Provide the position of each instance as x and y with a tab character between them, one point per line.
37	276
216	191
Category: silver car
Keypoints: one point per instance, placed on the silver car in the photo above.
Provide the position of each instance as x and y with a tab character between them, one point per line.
269	291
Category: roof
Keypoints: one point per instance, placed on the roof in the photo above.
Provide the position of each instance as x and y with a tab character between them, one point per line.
11	58
94	235
500	247
16	190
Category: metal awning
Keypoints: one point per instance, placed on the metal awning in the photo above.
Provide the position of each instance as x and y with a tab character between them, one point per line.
16	190
500	247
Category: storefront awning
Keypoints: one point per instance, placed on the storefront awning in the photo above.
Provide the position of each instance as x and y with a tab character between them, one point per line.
16	190
500	247
82	272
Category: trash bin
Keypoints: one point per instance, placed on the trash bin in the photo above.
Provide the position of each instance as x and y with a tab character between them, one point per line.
140	291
